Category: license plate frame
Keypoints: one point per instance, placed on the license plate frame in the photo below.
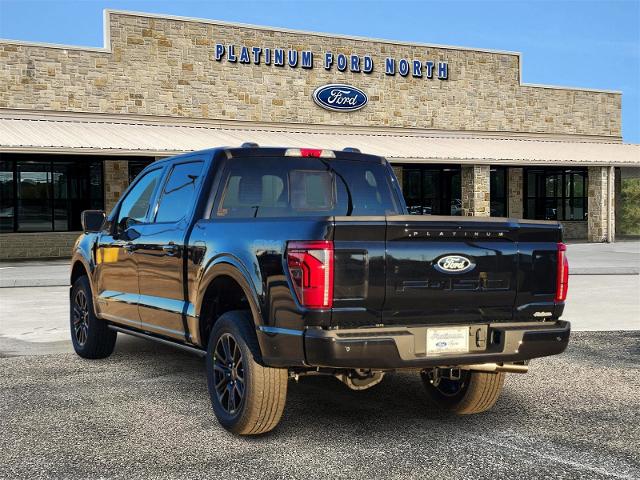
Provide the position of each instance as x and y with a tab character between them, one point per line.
447	340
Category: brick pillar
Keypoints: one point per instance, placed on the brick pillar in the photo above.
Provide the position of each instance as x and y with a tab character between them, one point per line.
515	188
116	180
600	204
475	190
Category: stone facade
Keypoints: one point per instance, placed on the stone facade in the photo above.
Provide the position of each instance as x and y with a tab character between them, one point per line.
475	190
36	245
116	181
515	189
167	68
161	66
598	216
574	230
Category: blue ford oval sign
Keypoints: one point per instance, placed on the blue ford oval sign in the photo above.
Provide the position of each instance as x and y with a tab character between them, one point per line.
340	98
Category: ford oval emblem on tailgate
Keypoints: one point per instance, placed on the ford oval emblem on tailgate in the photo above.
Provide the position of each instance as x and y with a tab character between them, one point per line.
454	264
340	98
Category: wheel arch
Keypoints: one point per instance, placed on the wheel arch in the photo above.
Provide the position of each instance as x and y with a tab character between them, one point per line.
78	270
224	287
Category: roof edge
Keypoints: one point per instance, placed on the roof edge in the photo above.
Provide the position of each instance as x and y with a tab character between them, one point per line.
106	48
145	119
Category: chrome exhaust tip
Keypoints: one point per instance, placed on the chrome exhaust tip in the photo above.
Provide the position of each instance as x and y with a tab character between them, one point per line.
496	367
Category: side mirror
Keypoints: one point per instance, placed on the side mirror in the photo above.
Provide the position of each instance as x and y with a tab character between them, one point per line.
92	220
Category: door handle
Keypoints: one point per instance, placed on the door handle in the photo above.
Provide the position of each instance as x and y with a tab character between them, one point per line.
171	249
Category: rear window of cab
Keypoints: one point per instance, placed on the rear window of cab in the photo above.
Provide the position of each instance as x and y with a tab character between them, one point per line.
285	187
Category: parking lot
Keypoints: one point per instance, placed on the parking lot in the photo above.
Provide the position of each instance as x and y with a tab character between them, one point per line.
145	412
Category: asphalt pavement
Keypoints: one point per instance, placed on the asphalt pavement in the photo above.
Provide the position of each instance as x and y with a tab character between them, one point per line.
145	413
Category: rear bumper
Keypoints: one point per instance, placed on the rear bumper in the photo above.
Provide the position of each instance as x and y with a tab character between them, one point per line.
405	347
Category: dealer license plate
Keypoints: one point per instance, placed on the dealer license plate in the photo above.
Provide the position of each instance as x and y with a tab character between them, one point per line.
443	340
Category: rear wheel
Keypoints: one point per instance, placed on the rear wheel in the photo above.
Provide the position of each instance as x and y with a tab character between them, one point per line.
90	336
473	392
247	397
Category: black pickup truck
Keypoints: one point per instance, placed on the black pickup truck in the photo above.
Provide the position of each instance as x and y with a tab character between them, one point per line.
276	263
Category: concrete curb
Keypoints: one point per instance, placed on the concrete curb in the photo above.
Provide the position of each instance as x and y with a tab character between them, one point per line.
604	271
30	282
57	282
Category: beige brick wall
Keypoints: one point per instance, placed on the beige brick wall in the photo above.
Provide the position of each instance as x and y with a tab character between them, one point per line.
167	67
516	192
598	204
36	245
475	190
116	181
575	230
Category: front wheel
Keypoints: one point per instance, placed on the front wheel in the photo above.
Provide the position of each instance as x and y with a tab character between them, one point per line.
247	397
90	336
473	392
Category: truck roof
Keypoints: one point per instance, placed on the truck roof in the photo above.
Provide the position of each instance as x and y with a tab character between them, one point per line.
249	150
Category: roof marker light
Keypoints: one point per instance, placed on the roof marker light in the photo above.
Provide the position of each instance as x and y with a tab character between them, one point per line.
309	152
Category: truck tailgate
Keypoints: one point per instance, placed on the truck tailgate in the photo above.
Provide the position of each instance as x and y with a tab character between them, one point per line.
421	270
449	270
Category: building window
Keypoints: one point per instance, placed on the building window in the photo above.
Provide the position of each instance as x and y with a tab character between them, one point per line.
136	166
45	193
432	189
555	193
498	191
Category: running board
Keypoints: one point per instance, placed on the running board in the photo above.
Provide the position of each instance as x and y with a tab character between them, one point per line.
146	336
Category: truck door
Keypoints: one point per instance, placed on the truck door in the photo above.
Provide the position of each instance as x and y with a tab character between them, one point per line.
160	252
117	295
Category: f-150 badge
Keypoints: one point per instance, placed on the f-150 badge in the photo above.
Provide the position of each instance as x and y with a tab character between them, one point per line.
454	264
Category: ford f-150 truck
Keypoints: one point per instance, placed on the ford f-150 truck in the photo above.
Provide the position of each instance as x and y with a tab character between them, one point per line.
277	263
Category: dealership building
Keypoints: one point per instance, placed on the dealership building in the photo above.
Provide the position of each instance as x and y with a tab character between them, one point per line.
464	133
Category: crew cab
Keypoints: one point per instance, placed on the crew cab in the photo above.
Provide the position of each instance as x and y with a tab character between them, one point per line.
275	263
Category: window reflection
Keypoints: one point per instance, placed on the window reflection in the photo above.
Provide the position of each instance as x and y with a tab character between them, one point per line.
43	193
498	191
432	189
556	193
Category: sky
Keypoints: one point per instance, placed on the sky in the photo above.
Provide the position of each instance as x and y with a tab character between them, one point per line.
577	43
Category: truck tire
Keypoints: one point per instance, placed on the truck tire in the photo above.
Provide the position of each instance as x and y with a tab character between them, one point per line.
247	397
475	392
90	336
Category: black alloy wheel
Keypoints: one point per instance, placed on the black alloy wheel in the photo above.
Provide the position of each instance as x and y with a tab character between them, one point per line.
80	317
247	397
90	335
228	373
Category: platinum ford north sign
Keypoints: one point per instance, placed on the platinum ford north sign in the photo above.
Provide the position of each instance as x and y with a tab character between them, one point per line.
340	98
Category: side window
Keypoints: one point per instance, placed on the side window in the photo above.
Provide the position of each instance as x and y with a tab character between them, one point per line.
179	192
136	204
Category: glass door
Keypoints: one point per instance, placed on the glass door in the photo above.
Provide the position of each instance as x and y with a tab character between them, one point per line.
432	190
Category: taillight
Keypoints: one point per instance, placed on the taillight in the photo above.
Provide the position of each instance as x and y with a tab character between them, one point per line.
311	268
562	275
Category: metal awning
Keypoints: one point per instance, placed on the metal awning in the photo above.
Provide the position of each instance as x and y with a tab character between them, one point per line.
94	135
